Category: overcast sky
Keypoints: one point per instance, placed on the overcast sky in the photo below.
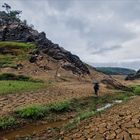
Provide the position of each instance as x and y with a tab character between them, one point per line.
100	32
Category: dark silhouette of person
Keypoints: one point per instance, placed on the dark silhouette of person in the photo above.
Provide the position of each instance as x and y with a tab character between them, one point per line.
96	88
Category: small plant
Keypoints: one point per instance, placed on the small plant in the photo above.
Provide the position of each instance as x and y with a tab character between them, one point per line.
75	122
32	112
60	107
7	122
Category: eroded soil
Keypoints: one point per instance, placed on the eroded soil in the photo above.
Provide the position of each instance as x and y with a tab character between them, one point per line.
121	122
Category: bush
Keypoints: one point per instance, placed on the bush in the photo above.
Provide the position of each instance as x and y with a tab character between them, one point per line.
32	112
7	122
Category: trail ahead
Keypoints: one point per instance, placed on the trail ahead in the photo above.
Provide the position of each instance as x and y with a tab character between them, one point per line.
121	122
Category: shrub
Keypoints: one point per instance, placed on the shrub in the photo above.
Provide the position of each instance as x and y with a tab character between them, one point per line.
7	122
137	90
32	112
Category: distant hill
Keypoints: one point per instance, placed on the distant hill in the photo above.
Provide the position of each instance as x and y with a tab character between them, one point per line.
115	70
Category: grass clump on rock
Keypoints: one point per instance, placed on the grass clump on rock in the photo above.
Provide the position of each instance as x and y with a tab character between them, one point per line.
7	122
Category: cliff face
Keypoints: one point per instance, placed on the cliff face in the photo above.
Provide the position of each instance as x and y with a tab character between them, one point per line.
23	33
133	76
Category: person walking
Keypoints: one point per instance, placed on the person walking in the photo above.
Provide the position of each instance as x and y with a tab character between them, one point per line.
96	88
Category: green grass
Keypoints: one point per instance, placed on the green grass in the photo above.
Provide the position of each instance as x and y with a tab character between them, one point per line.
21	50
12	76
14	86
60	107
137	90
32	112
17	45
7	122
40	111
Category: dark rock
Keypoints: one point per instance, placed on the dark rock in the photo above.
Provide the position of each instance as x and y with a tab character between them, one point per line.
133	76
112	83
33	59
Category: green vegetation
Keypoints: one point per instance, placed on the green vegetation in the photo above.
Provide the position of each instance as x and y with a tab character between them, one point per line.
13	52
39	111
115	70
137	90
14	86
60	107
88	107
17	45
32	112
12	76
7	122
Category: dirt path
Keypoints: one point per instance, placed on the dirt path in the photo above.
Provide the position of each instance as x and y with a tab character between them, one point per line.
121	122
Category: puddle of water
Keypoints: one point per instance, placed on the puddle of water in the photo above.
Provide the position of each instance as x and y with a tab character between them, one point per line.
118	101
30	130
105	107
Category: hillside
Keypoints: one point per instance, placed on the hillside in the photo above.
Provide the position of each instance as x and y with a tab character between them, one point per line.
115	70
23	50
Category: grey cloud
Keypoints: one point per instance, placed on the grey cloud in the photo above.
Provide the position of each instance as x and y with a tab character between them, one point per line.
61	5
106	49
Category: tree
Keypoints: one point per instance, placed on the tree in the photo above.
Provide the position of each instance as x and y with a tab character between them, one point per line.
8	17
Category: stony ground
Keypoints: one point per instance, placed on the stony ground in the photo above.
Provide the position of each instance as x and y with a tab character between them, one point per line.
121	122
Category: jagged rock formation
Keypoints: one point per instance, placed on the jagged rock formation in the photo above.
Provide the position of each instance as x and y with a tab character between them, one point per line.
22	32
133	76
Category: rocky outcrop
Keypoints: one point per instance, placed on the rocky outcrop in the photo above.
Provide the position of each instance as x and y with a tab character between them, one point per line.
23	33
114	84
133	76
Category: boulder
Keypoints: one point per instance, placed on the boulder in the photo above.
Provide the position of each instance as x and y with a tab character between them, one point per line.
133	76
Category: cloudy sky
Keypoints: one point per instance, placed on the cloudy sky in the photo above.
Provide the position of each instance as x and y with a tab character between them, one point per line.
100	32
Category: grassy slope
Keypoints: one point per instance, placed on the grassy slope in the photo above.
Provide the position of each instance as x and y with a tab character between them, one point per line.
21	49
15	86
